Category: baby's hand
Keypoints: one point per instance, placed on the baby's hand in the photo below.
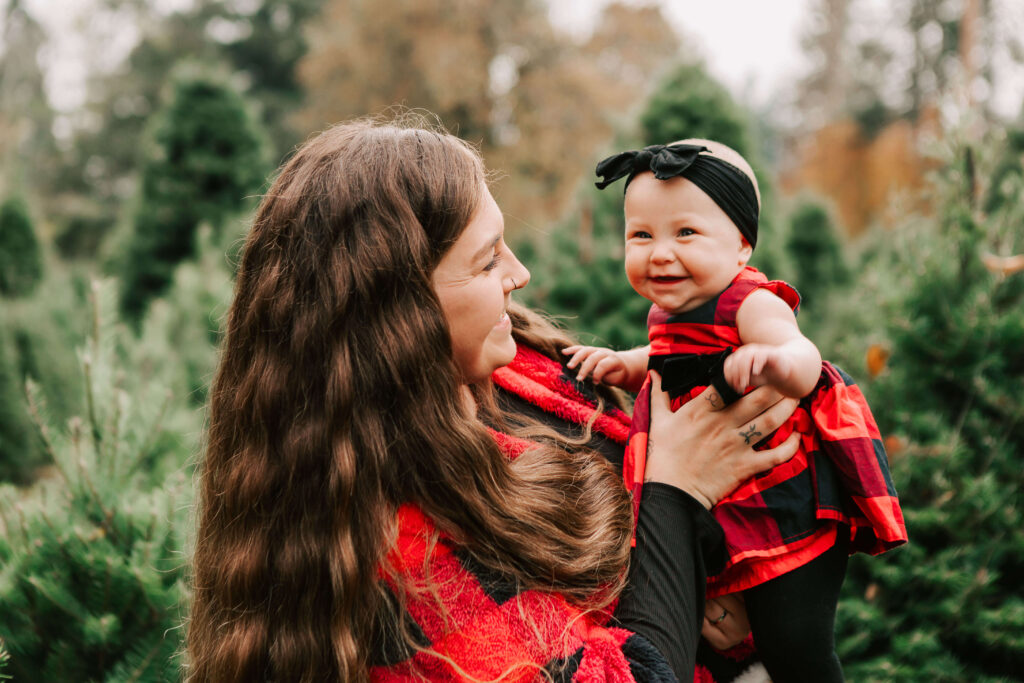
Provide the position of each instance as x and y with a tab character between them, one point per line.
603	365
757	364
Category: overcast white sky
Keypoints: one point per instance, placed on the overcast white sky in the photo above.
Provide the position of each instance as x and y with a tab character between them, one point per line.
752	46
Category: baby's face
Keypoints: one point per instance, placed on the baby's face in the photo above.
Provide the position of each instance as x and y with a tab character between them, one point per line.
681	248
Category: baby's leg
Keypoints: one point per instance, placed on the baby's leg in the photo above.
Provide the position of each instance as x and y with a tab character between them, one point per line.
793	619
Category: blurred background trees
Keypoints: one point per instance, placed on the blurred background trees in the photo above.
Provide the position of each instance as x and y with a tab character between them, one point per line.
203	162
892	197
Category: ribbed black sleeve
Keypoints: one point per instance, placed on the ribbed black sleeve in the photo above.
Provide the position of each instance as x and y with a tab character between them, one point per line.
677	543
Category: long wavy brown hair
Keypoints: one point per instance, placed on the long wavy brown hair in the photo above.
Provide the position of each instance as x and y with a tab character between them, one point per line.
337	400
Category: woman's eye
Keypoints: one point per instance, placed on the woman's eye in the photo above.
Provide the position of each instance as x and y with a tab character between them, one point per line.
493	262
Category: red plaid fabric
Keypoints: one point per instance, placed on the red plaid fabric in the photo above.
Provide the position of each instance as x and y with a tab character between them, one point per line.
783	518
475	624
480	625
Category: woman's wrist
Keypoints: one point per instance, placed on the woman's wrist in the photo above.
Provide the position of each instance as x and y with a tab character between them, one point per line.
690	490
673	490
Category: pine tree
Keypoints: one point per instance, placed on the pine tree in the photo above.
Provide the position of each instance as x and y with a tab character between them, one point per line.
93	584
21	260
18	452
204	161
948	607
1006	178
816	254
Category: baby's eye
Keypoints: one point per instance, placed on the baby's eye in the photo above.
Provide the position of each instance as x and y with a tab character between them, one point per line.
683	232
640	234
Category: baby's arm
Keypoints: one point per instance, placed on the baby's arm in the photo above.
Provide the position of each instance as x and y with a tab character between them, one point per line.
623	369
774	351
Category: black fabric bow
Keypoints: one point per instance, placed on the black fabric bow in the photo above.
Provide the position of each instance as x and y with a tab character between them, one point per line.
682	372
666	161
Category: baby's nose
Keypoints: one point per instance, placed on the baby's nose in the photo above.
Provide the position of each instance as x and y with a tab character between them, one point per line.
663	254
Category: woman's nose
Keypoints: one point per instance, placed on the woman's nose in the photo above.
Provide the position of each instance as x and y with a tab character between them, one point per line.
518	273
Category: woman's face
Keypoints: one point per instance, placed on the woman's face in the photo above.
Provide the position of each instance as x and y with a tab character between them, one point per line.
473	281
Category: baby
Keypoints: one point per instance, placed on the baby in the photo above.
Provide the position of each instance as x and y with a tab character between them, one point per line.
691	226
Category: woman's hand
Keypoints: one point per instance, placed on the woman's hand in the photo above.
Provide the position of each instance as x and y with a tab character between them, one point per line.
725	621
707	450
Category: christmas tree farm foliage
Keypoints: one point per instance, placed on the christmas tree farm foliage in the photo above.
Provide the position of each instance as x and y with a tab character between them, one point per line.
949	606
21	260
93	580
204	159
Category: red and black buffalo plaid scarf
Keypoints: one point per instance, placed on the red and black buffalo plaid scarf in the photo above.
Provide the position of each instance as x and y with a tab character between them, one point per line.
473	624
785	517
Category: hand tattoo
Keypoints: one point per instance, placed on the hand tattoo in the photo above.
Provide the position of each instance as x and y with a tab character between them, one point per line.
714	399
750	434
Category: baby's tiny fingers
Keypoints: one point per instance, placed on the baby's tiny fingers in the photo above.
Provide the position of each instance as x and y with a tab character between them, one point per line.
587	366
579	354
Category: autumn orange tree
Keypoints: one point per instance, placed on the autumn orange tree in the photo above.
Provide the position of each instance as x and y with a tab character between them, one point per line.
498	74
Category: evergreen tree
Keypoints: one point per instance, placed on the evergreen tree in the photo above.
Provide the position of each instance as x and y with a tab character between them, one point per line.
21	260
949	606
688	103
93	584
18	456
1009	171
38	334
204	161
816	254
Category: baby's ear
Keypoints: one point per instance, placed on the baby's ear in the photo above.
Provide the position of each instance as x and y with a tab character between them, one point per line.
746	251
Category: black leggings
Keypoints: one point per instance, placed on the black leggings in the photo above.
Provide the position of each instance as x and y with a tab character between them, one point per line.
793	619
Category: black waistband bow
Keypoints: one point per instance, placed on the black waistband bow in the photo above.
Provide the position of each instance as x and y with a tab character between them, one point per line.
681	372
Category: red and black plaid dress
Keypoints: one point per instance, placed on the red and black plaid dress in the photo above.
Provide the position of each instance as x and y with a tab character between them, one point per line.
785	517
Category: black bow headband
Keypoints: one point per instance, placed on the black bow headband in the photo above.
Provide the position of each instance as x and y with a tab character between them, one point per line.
728	186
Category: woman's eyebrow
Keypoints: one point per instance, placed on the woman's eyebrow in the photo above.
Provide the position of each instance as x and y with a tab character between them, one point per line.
486	248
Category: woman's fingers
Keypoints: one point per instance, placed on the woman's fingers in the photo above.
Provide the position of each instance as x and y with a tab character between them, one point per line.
725	621
770	419
760	461
757	402
660	402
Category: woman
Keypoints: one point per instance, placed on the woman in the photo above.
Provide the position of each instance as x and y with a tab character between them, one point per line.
349	467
